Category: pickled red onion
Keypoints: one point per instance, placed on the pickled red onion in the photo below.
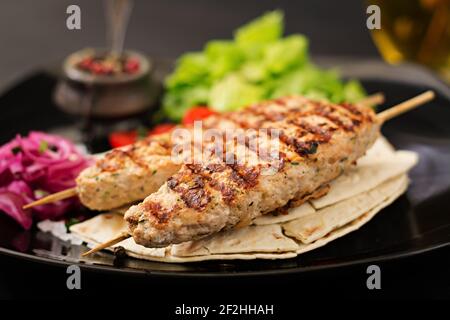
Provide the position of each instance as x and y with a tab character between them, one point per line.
35	165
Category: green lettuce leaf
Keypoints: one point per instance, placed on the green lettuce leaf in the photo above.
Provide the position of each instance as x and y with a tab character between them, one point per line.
257	64
286	54
223	57
232	93
191	68
265	29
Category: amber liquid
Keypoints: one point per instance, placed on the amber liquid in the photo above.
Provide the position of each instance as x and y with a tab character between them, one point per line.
416	31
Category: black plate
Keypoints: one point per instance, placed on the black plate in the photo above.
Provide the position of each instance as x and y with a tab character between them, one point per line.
418	221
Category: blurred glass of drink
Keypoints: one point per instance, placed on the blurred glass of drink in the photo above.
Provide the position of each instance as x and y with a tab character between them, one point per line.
416	31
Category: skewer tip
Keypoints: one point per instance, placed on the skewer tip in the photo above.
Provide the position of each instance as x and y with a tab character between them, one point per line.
406	106
52	198
373	100
119	238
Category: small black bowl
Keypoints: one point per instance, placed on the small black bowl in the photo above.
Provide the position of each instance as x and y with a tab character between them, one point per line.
105	96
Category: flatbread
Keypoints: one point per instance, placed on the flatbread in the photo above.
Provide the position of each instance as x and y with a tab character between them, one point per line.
101	228
355	224
377	181
266	238
237	256
380	148
310	228
253	242
369	173
110	223
292	214
106	226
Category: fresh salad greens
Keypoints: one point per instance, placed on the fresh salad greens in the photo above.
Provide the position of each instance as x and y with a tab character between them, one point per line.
258	64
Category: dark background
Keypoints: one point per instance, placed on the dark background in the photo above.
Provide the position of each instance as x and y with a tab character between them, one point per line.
33	33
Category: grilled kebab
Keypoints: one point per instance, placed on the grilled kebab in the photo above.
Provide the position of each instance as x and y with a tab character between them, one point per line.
317	141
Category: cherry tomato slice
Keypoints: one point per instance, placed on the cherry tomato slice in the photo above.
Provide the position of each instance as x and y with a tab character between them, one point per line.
124	138
161	128
120	138
197	113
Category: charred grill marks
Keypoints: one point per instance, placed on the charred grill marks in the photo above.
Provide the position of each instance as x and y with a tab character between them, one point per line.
327	110
244	176
302	148
193	192
228	193
191	182
190	186
161	214
196	198
346	117
321	135
115	159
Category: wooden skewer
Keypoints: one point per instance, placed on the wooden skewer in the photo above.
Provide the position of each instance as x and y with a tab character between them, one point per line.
382	116
405	106
372	100
119	238
375	99
52	198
